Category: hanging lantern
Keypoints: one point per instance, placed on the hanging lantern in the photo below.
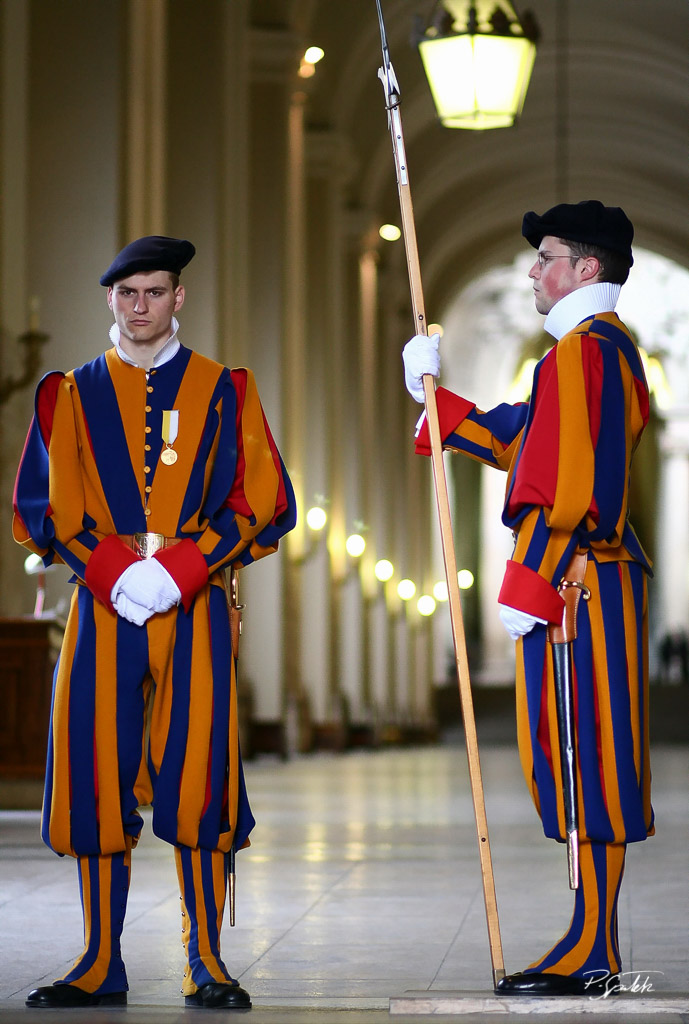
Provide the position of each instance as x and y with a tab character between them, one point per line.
478	59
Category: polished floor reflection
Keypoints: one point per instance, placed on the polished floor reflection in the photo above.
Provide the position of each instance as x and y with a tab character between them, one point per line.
362	882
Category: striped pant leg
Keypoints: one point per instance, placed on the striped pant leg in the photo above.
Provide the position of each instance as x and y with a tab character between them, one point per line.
590	946
104	886
93	787
202	878
610	684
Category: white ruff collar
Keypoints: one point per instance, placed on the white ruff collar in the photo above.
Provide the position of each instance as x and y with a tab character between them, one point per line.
579	305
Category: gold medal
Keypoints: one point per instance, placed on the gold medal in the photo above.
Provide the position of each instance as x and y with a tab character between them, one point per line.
169	456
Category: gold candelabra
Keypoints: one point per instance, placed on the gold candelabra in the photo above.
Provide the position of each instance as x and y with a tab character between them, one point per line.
31	340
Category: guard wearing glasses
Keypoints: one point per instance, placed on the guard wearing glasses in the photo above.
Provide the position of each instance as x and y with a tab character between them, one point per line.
568	453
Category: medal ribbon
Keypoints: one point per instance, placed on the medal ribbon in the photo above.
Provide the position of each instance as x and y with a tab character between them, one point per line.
170	425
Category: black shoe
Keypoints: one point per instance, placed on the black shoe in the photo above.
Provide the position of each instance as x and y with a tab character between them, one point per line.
537	984
220	996
58	996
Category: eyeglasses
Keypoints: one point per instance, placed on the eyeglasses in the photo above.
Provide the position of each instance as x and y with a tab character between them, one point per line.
544	258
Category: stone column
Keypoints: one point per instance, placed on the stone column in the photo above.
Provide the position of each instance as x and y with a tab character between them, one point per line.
234	315
672	524
375	682
351	637
276	313
15	589
331	441
145	120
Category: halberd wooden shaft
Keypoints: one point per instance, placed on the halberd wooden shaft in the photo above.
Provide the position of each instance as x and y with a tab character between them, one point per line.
391	88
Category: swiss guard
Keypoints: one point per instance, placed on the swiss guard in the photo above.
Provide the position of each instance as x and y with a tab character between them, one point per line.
574	591
148	471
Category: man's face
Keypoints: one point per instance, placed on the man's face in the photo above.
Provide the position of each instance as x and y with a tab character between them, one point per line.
143	306
557	277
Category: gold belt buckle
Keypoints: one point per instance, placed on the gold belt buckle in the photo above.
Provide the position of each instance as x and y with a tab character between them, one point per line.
146	544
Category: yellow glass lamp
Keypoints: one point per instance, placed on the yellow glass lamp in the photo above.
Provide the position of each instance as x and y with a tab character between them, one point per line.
478	59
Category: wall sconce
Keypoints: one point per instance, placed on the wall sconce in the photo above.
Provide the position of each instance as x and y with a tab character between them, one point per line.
355	545
384	570
406	589
316	518
31	359
307	66
478	63
389	232
425	605
465	579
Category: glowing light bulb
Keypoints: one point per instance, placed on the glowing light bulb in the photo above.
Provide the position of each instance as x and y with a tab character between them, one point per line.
465	579
314	54
389	232
425	605
355	545
384	570
316	518
406	589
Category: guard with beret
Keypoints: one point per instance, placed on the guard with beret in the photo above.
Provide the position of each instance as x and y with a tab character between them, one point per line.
154	252
148	471
567	453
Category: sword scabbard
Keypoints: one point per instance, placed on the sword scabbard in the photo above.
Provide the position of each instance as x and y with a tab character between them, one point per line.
235	609
572	589
232	887
573	858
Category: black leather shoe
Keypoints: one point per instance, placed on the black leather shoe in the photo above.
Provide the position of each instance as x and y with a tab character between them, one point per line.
58	996
538	984
216	995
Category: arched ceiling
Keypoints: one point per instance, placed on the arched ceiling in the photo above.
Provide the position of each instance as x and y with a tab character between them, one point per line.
606	116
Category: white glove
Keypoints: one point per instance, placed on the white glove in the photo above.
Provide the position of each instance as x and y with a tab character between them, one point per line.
130	611
420	356
148	584
518	623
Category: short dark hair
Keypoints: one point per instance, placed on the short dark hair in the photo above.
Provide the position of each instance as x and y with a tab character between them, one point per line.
614	266
174	279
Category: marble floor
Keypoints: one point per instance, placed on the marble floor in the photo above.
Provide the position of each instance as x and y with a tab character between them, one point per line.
362	883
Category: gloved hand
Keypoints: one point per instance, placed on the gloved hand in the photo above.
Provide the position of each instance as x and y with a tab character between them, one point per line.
518	623
148	584
130	611
420	356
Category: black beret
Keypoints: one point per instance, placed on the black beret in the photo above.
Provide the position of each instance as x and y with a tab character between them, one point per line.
590	222
154	252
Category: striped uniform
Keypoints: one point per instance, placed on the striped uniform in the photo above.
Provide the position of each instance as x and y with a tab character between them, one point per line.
568	453
148	714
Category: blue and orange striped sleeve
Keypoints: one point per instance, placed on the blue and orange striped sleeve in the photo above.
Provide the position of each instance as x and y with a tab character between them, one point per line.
490	437
50	516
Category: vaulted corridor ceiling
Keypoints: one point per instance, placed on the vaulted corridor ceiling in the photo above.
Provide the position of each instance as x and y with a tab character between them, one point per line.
606	116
